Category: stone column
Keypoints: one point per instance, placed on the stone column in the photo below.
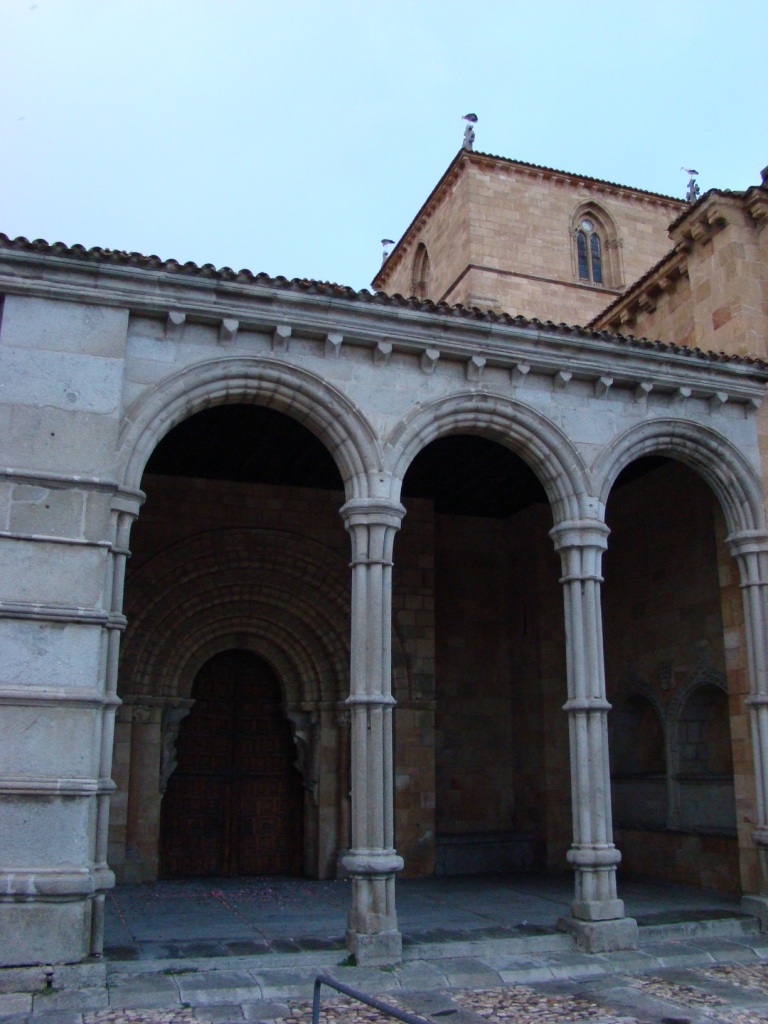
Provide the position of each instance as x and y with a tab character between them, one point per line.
125	509
372	933
597	916
750	549
343	813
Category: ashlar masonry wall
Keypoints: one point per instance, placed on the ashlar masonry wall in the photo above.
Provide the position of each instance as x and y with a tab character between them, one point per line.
86	395
500	235
668	680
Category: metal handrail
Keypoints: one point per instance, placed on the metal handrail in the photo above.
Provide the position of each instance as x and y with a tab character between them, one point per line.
361	997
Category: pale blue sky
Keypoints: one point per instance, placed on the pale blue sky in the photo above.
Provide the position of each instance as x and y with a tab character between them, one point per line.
290	136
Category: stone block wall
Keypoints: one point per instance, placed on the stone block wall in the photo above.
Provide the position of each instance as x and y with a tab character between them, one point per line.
500	236
502	759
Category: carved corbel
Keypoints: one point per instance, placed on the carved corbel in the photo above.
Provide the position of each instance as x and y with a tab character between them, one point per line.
280	338
519	373
751	406
228	331
474	368
561	379
602	386
332	345
681	395
382	353
174	324
429	359
717	401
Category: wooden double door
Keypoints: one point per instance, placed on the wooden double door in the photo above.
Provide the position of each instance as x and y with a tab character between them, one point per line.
233	806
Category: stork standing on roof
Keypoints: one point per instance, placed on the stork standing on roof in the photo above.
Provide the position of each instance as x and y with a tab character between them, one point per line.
469	131
693	191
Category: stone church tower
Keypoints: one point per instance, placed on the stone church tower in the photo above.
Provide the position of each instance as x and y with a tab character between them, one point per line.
530	241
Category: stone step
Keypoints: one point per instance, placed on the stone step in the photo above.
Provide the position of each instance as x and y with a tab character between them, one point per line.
697	924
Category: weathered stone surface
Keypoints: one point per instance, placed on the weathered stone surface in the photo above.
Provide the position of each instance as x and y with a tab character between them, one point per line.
461	621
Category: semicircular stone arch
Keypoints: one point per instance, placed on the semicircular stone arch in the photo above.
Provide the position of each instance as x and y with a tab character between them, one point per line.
539	443
292	390
713	457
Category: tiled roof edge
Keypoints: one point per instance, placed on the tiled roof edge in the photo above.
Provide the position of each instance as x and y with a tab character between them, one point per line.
138	261
582	177
636	285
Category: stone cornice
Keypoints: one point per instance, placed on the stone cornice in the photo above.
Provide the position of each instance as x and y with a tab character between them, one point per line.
756	204
708	217
311	310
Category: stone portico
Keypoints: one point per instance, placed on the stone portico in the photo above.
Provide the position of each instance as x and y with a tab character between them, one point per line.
106	354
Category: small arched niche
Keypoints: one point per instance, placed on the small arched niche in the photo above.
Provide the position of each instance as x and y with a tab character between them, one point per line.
639	764
420	273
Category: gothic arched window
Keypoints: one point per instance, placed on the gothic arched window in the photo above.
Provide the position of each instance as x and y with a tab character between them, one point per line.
589	250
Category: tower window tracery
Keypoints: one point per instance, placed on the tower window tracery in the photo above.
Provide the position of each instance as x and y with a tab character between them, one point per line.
595	246
590	252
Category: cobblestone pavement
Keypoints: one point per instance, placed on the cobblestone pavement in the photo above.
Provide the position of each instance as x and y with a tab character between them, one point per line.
727	993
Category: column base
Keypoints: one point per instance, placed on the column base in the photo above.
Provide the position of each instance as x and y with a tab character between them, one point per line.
601	936
756	906
39	931
597	910
382	949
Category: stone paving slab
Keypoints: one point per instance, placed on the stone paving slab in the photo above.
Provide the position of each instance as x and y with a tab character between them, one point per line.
70	999
209	988
146	991
644	986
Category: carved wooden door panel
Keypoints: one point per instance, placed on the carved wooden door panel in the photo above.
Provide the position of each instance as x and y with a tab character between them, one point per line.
233	806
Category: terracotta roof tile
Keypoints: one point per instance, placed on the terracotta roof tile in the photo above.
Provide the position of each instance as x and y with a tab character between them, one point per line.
119	257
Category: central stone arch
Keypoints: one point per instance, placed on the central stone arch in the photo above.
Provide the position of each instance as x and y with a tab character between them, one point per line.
542	445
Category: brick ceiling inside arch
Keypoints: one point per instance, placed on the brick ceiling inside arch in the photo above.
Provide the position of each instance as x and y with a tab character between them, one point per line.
463	474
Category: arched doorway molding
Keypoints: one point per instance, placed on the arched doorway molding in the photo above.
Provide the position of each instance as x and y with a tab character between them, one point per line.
735	483
283	597
296	587
542	445
261	380
161	664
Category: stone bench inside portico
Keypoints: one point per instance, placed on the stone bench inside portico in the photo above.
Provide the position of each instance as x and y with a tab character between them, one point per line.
483	853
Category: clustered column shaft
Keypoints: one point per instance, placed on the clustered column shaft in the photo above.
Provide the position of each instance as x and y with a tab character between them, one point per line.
750	549
372	935
593	855
123	516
